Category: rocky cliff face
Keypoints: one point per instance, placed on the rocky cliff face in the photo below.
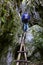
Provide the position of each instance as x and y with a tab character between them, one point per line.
10	28
34	42
35	8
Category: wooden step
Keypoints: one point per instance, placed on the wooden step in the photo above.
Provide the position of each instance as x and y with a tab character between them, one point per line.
25	61
22	51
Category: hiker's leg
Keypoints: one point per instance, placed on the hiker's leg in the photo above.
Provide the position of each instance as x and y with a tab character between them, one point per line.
25	27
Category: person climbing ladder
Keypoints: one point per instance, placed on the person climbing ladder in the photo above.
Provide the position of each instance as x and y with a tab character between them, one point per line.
25	18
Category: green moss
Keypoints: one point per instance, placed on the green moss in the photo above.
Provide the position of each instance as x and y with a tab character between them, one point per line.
10	24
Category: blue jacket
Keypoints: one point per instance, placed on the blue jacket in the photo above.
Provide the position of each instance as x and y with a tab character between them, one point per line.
25	16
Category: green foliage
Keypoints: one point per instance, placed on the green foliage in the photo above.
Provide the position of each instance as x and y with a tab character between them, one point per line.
9	24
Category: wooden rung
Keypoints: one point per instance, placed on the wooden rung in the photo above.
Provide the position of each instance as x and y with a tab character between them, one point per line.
22	61
22	51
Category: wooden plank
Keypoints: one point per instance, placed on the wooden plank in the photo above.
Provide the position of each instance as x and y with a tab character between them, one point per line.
25	61
22	51
25	54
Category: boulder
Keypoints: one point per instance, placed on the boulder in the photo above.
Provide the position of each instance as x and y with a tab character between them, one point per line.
32	37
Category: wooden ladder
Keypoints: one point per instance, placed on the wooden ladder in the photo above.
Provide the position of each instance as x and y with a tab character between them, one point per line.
22	46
